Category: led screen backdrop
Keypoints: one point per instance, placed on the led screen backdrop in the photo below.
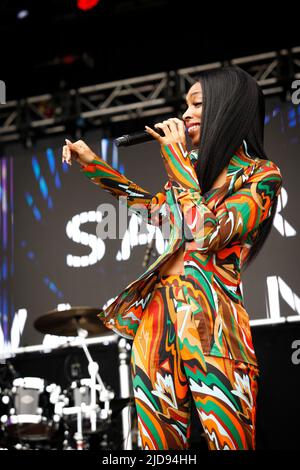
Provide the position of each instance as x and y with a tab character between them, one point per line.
51	255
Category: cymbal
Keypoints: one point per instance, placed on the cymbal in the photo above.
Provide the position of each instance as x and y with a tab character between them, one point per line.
66	322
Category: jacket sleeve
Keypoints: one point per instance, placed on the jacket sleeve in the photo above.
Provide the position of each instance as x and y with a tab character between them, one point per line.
237	215
151	207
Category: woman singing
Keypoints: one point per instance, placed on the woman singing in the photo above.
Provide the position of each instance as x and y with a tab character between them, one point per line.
185	313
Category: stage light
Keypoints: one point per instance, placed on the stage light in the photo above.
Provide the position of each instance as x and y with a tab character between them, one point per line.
86	4
22	14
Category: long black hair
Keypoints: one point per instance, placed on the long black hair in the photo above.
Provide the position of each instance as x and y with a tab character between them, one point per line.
233	111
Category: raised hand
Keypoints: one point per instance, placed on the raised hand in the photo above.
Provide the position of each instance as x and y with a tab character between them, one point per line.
78	151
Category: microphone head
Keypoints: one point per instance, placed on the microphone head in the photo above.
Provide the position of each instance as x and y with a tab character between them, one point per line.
124	140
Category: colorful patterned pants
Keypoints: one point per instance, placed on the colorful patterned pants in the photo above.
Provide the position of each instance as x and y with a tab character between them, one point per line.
169	370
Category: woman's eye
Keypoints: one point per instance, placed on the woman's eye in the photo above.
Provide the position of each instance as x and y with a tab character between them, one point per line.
197	104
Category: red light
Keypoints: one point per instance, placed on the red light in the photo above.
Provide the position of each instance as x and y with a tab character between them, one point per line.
87	4
68	59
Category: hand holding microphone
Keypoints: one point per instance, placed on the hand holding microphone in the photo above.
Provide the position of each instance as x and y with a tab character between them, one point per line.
167	132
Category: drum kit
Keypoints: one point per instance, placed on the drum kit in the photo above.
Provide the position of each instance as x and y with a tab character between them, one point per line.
36	414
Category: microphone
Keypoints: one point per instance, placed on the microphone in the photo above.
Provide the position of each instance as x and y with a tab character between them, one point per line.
137	138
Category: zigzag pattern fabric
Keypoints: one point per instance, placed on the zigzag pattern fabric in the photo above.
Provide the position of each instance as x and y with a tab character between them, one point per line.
223	222
169	370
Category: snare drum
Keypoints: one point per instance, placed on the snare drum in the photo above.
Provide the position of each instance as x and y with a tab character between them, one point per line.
30	413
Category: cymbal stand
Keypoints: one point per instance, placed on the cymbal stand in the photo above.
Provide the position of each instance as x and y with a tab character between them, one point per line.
105	394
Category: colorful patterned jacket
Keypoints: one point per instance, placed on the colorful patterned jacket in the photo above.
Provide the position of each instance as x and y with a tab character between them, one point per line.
223	222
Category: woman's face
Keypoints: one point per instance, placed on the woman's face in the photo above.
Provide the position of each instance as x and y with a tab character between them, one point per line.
192	116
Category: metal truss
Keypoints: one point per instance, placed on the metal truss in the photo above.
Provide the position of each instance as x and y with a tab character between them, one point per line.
101	105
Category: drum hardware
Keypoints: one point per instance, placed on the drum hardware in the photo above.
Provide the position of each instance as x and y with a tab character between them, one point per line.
29	414
85	397
82	414
81	322
73	433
